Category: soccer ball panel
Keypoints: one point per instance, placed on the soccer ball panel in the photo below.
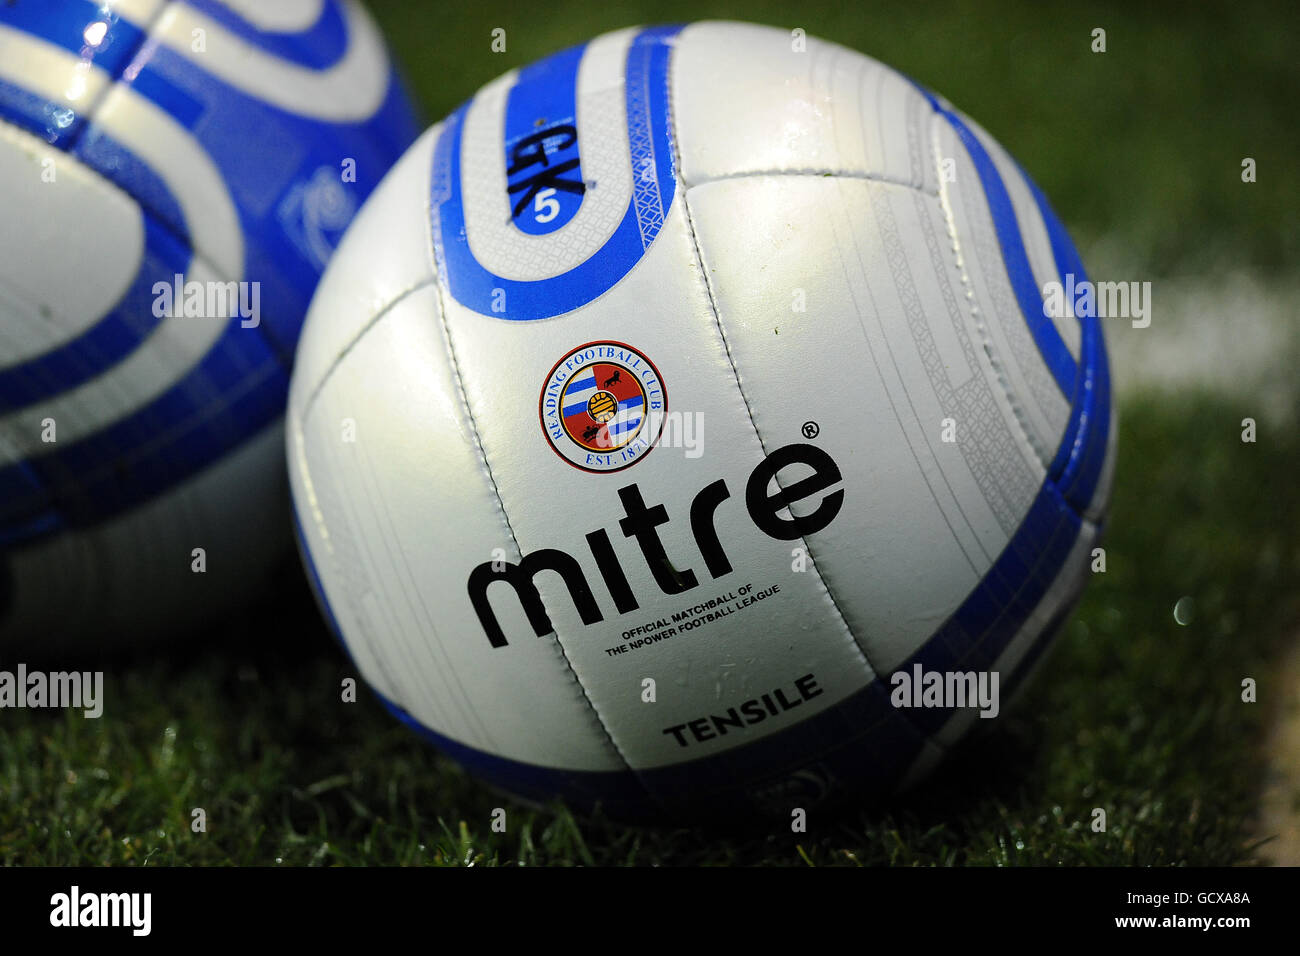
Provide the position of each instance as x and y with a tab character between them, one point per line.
51	307
1041	400
538	233
842	310
1033	233
358	287
1023	649
394	524
750	99
567	362
332	67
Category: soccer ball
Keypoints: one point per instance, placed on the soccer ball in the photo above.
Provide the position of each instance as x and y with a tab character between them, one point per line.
677	401
173	177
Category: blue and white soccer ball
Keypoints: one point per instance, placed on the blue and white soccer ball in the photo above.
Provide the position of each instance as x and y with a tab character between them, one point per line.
173	178
672	397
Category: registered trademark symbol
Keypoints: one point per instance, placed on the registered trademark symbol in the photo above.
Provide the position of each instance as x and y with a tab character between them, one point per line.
811	430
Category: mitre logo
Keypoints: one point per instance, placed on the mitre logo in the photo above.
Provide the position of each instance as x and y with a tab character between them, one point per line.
602	406
641	522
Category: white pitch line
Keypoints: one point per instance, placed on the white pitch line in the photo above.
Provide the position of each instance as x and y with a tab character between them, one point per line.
1235	334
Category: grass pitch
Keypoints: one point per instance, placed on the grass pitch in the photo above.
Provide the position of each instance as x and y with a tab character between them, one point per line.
1133	713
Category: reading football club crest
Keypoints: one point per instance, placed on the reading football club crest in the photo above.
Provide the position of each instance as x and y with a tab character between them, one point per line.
602	406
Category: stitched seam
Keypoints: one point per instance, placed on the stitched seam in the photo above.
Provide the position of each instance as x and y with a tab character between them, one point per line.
356	339
496	493
146	33
717	319
827	173
981	329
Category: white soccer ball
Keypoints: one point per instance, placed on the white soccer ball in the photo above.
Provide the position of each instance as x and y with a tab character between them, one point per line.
677	401
173	179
